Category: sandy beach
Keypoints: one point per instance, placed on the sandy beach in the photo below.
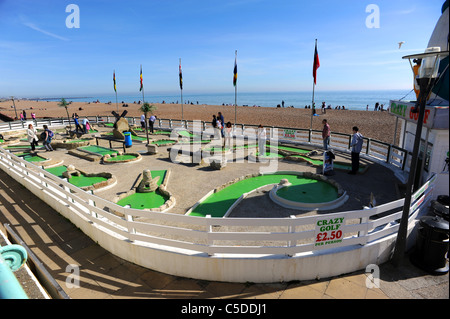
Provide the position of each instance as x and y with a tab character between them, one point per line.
376	125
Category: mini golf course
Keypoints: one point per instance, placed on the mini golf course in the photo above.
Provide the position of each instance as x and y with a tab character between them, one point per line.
32	158
163	142
81	181
302	190
98	150
121	158
149	200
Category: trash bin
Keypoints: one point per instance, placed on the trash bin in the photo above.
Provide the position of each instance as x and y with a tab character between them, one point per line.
439	209
444	200
432	245
128	142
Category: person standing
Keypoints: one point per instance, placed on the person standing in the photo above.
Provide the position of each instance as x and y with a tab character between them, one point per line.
151	122
77	123
262	137
228	136
32	137
143	121
216	126
222	122
85	120
356	145
326	132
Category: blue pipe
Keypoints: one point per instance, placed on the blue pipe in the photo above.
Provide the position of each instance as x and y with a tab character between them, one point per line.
12	257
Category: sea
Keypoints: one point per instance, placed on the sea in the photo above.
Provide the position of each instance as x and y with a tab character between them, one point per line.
351	100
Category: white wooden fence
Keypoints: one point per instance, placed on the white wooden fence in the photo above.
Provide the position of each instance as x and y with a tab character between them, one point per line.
249	236
383	152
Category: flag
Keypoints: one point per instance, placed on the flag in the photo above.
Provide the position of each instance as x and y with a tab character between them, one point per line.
181	78
235	72
114	80
316	63
142	85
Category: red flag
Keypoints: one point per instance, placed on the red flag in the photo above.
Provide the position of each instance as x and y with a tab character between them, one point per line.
142	84
316	63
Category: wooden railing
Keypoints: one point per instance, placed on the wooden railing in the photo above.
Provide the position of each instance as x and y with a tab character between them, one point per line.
267	236
377	150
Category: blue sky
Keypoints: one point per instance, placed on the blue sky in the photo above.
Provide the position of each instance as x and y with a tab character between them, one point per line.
40	56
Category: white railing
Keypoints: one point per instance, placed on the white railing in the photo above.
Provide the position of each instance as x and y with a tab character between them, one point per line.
250	236
392	155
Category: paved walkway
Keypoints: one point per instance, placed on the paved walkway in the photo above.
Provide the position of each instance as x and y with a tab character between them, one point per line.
58	243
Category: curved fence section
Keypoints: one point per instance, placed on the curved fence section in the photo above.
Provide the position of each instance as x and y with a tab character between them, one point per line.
226	249
227	238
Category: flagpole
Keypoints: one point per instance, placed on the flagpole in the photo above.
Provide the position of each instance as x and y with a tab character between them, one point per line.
315	67
117	105
235	90
312	106
181	90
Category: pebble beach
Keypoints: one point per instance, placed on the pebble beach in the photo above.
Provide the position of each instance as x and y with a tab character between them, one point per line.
373	124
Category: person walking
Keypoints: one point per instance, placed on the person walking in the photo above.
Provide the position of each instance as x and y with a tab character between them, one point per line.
32	137
48	135
326	132
356	145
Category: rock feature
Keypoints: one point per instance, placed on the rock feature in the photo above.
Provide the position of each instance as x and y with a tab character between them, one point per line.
147	184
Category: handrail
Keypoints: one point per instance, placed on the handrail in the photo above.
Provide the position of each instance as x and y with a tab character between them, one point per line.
37	268
12	257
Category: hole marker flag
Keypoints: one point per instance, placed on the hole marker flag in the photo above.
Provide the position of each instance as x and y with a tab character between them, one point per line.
316	63
142	85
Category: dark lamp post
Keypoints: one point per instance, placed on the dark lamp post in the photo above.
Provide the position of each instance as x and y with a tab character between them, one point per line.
426	78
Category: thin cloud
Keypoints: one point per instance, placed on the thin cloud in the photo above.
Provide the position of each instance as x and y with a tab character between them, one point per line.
36	28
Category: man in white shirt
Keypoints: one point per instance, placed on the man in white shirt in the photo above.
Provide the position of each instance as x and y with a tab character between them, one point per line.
356	145
151	122
143	121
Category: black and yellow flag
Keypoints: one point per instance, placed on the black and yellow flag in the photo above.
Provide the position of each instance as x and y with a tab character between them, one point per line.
181	77
114	81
